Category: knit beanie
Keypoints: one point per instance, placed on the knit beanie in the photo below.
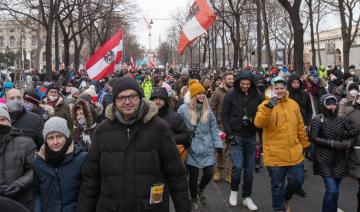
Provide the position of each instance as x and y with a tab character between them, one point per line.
4	113
53	86
185	71
32	97
195	88
56	124
124	83
159	92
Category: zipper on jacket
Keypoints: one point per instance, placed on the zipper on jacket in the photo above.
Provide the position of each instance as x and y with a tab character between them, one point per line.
276	121
128	132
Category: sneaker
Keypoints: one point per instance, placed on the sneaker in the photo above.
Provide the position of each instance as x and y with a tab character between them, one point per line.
340	210
249	203
233	198
202	198
194	205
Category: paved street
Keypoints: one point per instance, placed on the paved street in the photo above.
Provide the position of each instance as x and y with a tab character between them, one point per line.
218	194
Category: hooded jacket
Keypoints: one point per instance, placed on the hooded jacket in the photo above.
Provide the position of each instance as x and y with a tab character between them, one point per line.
325	129
125	161
62	110
302	98
56	190
216	103
353	117
284	136
237	104
16	156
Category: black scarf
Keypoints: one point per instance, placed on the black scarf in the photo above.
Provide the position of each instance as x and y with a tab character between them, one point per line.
4	137
54	158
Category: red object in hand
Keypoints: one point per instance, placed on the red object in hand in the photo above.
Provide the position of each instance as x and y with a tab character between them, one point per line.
222	135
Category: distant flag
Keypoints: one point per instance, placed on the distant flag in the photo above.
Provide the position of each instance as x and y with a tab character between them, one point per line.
103	61
132	64
201	17
152	63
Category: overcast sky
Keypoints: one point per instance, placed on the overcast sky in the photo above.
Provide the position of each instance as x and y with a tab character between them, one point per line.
164	9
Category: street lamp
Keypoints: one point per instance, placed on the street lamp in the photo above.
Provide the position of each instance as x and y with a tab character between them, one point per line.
7	51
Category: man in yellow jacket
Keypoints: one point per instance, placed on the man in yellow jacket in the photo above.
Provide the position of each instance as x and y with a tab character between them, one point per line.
284	140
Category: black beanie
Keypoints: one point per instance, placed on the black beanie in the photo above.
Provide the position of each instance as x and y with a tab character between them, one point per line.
159	92
347	75
53	86
124	83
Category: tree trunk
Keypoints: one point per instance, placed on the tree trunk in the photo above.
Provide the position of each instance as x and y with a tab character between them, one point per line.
48	50
66	43
312	41
223	46
39	42
346	54
318	40
259	40
266	35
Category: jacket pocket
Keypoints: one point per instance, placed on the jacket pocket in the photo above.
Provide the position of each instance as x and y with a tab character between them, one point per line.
106	204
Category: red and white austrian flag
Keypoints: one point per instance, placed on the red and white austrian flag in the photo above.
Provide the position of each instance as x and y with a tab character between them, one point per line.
201	17
103	61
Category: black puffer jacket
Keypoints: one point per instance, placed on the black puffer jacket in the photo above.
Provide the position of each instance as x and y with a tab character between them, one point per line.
237	104
16	156
302	98
124	162
326	130
30	123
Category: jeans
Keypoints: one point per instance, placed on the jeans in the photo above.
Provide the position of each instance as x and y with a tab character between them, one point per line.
330	201
243	157
295	178
208	173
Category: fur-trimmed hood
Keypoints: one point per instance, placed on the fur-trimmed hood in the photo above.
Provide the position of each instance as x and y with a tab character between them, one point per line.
86	110
150	114
98	108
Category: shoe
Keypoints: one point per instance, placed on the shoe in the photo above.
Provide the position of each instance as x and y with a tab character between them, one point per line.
202	197
340	210
228	178
217	176
300	191
249	203
257	169
287	207
194	205
233	198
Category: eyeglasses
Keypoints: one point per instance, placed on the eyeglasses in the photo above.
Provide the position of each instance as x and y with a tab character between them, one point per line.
131	98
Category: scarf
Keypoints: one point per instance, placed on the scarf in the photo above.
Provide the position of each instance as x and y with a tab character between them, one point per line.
54	158
52	103
138	115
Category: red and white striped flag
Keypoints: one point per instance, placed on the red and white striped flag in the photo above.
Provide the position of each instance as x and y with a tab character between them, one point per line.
201	17
103	61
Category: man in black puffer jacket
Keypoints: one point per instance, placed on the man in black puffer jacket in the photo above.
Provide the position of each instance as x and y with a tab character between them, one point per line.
177	125
133	162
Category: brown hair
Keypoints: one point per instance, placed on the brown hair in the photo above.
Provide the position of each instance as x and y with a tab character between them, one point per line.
227	73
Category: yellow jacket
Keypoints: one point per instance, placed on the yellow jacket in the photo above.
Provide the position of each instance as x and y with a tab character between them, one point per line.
284	136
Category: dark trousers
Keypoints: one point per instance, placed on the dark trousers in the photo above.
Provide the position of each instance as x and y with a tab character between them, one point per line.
295	178
208	173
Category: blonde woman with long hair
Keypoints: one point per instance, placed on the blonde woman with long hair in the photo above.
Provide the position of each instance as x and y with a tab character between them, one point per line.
205	141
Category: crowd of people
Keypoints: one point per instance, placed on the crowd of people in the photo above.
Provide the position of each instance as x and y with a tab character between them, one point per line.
131	141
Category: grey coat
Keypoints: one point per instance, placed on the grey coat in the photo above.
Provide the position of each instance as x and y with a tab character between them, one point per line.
353	116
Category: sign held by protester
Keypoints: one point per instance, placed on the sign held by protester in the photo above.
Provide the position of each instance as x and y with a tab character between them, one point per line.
103	61
201	17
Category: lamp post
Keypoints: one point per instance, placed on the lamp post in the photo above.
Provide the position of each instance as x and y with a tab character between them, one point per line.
7	51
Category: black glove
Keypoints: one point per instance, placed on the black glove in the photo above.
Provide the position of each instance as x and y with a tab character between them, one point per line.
12	190
347	144
338	145
271	103
3	188
218	151
230	139
246	123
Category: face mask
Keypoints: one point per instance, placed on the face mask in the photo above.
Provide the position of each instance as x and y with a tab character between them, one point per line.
352	72
4	129
53	98
15	105
29	106
81	121
353	93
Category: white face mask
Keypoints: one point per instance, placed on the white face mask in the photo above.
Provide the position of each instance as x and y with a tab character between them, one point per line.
81	121
358	101
52	98
353	93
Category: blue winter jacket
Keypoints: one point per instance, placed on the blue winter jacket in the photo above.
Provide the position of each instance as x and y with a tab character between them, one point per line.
56	190
205	140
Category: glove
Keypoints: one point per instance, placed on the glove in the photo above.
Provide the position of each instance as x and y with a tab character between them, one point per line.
271	103
12	190
347	144
230	140
246	123
3	188
218	151
338	145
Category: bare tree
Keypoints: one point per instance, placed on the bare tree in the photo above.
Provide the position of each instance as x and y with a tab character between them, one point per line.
266	34
321	10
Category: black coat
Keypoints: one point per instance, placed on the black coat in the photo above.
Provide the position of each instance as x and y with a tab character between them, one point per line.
302	98
237	104
177	126
16	156
324	131
124	162
31	124
353	116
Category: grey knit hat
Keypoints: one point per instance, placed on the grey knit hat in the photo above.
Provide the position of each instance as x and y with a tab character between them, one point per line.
185	71
4	113
58	125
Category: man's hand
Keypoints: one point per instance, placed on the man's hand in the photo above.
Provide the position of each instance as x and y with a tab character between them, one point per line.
272	103
12	190
3	188
230	140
